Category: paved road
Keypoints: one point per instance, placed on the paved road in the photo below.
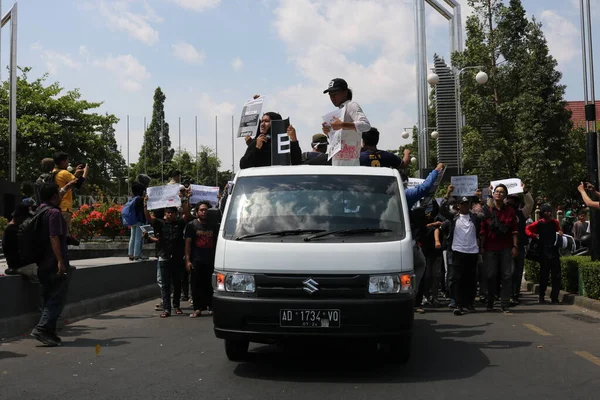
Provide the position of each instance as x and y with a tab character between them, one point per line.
539	352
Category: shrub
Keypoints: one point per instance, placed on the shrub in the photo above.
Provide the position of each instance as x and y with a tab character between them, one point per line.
569	272
3	224
99	219
590	276
532	271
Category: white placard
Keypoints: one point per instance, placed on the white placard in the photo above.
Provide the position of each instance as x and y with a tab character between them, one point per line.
205	193
413	182
464	185
250	118
163	196
229	187
335	137
513	185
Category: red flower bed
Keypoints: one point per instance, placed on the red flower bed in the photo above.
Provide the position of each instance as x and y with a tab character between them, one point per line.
98	219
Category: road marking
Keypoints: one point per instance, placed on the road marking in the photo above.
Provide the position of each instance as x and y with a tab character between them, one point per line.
537	330
588	356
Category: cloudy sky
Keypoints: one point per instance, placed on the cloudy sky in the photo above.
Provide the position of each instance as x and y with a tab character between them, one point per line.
209	56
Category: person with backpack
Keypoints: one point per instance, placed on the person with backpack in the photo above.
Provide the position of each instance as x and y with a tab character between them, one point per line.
132	215
62	177
200	247
10	240
43	239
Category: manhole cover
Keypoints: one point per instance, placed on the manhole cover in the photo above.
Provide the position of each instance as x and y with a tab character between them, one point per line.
583	318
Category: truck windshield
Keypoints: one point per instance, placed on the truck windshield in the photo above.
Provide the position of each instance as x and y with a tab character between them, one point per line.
315	202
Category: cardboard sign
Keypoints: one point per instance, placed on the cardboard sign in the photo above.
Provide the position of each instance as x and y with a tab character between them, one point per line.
205	193
464	185
163	196
412	182
281	146
250	118
513	185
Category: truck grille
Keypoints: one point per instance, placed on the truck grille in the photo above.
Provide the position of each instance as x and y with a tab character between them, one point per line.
321	286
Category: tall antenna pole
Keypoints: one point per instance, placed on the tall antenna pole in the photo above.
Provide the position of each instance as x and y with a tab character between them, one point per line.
128	165
162	168
145	148
216	154
180	159
232	148
197	165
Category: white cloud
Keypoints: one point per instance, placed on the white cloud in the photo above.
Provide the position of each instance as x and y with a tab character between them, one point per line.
237	64
54	59
197	5
188	53
562	35
209	107
119	17
127	69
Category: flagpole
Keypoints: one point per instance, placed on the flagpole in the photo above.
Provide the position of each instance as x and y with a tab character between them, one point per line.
180	159
145	148
197	167
232	148
128	165
162	168
216	154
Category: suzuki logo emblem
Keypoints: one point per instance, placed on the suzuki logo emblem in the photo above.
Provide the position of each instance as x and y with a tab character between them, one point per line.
310	286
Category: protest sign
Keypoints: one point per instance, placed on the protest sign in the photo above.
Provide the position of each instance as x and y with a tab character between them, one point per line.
513	185
281	145
204	193
335	137
250	118
434	188
163	196
464	185
413	182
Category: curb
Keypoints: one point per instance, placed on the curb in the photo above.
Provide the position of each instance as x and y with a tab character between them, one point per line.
15	326
568	298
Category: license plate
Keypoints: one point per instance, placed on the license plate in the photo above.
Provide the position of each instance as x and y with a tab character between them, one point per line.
298	318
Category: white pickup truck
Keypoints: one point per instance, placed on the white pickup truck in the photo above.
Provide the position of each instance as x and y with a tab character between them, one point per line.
315	252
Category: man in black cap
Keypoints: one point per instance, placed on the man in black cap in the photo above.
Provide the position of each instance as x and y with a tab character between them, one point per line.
319	147
354	119
10	242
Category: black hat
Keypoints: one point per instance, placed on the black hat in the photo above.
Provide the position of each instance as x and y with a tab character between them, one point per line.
336	84
464	200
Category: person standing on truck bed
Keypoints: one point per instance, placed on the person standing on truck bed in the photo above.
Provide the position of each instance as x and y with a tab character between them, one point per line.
371	156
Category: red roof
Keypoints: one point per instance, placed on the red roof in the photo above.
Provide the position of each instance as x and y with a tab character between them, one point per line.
577	108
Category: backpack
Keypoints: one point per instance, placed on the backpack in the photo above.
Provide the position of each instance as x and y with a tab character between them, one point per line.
128	215
46	177
29	236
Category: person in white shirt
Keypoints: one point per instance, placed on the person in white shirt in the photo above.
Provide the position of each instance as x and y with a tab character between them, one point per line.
464	243
354	124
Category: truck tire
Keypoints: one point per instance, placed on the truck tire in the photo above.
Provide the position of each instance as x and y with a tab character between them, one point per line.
236	350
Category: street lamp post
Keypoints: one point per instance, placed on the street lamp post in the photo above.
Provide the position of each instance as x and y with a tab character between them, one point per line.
434	135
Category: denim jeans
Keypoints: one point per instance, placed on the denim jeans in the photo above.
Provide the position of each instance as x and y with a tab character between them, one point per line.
170	272
135	241
158	275
54	297
432	275
498	262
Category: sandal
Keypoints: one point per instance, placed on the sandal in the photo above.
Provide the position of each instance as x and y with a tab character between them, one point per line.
178	311
196	314
165	314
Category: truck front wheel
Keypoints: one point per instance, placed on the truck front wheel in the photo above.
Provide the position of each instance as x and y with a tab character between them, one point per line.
236	350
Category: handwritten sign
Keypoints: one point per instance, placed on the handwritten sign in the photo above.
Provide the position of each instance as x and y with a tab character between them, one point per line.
464	185
513	185
414	182
163	196
205	193
250	118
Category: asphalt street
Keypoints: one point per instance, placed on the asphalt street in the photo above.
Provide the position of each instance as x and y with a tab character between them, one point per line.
539	352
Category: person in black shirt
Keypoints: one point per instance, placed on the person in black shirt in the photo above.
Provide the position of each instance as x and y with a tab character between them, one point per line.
10	243
200	243
370	156
171	251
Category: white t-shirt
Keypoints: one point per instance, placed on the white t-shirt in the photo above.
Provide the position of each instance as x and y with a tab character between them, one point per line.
465	235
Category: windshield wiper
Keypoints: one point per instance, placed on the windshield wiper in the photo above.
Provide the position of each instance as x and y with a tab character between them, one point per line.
281	233
354	231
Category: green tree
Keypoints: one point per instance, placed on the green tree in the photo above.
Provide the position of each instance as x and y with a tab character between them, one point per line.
150	160
50	120
517	124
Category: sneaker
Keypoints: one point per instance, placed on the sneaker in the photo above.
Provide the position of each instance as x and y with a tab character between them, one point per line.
158	307
56	338
458	311
45	338
506	310
452	304
514	302
483	299
419	310
471	309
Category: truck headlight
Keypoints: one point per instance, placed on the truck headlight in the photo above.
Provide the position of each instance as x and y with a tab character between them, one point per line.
234	282
390	284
